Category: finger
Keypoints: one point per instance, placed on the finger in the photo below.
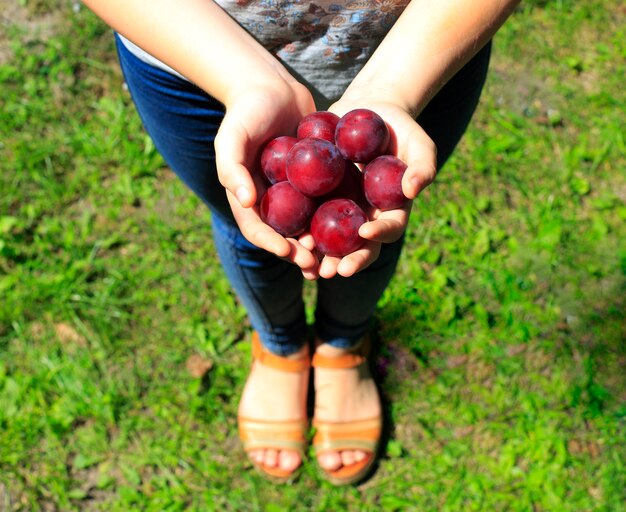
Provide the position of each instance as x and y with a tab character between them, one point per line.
301	256
306	240
265	237
359	260
382	230
231	144
256	231
328	267
388	226
310	275
421	159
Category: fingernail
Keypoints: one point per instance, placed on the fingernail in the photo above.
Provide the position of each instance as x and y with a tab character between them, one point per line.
242	194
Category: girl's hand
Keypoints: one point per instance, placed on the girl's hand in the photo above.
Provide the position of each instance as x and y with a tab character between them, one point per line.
415	148
254	116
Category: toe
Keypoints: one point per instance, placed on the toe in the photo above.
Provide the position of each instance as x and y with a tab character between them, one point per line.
329	461
359	455
347	457
271	458
256	456
288	460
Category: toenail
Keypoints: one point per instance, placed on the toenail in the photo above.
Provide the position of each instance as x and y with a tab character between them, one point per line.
347	458
359	456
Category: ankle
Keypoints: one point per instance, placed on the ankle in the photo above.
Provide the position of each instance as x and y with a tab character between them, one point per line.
328	350
302	352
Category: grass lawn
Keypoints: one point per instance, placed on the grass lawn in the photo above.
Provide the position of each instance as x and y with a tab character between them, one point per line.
503	360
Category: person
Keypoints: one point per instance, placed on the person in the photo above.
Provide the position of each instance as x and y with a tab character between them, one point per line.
213	82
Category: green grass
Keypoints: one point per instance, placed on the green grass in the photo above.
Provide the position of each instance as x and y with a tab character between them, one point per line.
504	337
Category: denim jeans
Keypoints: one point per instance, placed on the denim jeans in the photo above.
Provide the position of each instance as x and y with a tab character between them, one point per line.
183	120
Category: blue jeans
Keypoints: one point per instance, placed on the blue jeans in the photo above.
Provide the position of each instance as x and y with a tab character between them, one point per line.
183	120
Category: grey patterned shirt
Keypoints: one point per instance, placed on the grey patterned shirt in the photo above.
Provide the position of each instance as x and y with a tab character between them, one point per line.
323	44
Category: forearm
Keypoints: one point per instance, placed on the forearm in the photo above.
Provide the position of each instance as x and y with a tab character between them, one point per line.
197	39
428	44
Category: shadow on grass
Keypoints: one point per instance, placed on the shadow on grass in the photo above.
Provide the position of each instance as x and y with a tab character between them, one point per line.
597	339
577	359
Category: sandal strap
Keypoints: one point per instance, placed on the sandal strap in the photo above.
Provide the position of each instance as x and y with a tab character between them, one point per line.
265	357
348	360
353	435
280	435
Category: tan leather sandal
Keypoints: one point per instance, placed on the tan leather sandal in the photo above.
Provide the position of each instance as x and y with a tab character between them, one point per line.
354	435
280	435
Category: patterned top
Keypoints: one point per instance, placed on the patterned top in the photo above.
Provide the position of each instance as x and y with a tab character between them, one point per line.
323	43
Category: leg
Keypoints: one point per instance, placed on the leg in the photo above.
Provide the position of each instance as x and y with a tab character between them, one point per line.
346	305
183	121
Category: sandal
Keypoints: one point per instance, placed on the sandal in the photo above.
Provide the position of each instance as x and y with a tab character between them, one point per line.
351	435
280	435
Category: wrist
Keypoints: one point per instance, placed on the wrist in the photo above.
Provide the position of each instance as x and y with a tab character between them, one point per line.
362	92
275	87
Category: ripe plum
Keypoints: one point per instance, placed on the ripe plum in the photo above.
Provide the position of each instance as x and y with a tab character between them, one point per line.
318	125
351	187
335	227
274	156
382	182
286	210
314	166
361	135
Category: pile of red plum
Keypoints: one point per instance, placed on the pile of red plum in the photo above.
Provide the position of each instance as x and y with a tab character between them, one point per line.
316	186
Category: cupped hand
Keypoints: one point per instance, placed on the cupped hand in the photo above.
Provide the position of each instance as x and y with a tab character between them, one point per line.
254	116
410	143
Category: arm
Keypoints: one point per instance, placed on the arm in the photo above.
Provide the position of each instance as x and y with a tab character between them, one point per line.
197	39
203	43
429	43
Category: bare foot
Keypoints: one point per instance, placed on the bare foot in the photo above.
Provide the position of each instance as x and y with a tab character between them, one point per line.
275	395
343	395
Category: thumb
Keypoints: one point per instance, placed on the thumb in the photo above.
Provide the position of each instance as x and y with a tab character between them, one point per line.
421	170
230	156
416	179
